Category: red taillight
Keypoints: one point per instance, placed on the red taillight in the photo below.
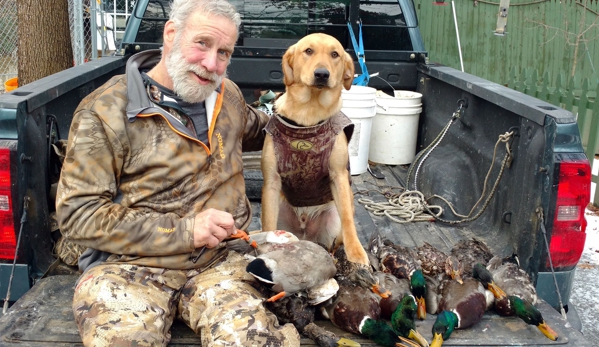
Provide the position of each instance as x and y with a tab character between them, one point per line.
8	242
569	223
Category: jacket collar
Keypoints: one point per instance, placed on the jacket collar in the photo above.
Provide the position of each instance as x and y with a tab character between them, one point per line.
139	102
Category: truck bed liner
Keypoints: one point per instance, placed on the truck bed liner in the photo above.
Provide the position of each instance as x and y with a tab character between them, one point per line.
43	316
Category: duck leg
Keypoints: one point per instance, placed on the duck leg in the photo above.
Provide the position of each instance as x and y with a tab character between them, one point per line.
276	297
325	338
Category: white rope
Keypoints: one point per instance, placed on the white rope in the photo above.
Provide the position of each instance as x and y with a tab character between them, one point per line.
410	206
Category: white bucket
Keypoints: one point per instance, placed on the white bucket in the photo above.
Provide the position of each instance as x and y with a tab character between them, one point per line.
395	126
359	106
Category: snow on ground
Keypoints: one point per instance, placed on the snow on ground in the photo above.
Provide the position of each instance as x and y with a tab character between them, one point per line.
585	290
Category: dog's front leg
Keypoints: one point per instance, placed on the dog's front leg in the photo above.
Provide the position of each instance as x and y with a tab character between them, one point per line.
344	201
271	189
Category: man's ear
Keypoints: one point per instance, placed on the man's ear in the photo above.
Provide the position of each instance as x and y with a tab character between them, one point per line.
288	66
348	71
170	31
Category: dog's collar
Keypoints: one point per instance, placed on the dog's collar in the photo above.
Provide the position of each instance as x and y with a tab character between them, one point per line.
290	122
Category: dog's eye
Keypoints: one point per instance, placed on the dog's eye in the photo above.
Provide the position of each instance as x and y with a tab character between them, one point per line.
335	55
309	51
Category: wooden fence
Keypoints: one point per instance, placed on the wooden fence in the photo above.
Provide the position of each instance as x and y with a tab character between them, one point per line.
576	96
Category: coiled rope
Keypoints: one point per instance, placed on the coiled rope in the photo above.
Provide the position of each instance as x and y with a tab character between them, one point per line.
412	206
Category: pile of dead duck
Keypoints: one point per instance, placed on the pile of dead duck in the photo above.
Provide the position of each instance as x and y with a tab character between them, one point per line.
382	302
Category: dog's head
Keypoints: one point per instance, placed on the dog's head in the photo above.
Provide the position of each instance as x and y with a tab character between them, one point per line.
318	60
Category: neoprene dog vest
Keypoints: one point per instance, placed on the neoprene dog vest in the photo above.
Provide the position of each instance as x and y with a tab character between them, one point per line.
303	155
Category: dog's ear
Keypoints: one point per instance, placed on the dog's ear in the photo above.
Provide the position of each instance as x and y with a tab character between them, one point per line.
348	71
288	66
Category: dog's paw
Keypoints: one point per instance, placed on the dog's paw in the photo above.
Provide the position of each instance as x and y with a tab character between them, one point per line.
357	255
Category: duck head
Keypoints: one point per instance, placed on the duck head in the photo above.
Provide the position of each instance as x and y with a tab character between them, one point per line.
402	320
454	268
531	315
445	324
365	278
379	331
418	288
486	278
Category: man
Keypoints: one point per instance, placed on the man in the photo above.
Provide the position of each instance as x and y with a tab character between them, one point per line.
152	183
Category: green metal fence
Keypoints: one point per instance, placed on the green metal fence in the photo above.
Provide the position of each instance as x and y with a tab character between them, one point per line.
560	38
548	35
578	97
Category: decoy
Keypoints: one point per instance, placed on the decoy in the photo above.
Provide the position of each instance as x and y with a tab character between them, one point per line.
507	304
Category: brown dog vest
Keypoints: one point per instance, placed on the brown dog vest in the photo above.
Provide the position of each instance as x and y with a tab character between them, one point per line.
303	155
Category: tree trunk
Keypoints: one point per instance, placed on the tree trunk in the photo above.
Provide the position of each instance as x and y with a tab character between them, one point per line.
44	39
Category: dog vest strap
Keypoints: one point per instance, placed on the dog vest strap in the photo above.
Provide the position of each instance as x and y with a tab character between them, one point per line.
364	78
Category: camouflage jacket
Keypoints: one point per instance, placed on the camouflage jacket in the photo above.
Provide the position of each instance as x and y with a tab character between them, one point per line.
134	176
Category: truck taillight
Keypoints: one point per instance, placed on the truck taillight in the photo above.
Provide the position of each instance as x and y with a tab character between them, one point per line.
569	223
8	242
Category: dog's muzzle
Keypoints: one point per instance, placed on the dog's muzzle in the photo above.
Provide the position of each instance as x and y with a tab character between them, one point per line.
321	77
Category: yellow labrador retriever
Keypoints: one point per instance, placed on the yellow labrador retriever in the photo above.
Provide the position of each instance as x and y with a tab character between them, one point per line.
305	160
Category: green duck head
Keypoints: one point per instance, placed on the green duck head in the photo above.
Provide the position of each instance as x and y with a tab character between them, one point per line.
402	320
445	324
418	288
531	315
380	332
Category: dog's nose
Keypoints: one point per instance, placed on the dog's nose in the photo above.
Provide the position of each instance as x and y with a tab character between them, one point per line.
321	74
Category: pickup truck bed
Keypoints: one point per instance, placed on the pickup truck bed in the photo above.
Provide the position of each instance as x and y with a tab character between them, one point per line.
43	316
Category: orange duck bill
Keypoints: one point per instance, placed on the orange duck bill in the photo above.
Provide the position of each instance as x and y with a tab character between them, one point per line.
382	292
547	331
421	312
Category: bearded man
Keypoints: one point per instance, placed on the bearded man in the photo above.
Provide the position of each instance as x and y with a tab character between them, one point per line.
152	183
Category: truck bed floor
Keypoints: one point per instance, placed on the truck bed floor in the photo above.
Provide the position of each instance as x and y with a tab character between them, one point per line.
43	316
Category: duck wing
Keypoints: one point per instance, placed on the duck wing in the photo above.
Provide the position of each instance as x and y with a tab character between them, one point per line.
352	303
398	260
470	252
432	260
514	281
397	287
468	300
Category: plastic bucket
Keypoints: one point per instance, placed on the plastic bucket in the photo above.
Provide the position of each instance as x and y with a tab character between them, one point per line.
396	127
359	105
11	84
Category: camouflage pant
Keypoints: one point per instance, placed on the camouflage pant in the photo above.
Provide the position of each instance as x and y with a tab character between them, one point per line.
129	305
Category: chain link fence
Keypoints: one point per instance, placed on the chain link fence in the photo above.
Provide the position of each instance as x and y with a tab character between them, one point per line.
108	19
8	41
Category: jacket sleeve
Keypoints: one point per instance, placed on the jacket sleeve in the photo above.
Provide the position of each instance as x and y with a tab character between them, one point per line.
88	208
253	136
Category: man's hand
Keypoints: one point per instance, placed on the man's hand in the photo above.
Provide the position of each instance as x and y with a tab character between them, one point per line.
211	227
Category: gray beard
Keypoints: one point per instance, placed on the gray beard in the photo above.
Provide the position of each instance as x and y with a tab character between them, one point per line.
183	85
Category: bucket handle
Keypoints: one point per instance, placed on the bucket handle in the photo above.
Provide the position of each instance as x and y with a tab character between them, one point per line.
386	108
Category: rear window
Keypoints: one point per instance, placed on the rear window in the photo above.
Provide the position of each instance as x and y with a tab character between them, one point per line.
278	24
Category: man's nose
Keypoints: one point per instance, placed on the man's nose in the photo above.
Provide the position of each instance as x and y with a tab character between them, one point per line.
210	61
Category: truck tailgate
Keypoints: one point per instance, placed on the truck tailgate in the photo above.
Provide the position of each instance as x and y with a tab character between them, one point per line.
43	316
